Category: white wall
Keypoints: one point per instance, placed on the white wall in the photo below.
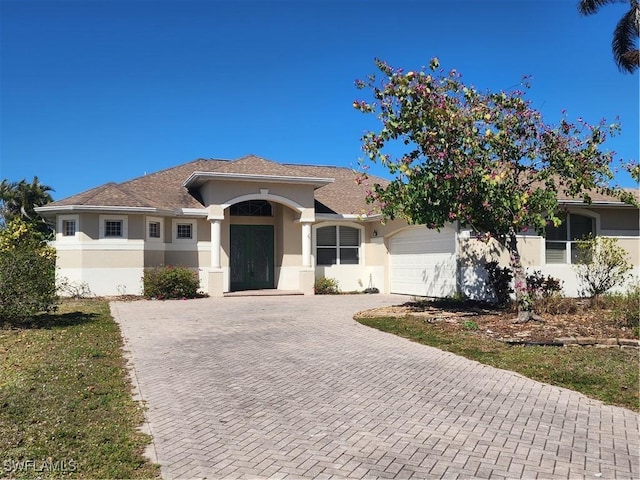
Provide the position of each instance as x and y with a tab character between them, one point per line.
354	277
102	281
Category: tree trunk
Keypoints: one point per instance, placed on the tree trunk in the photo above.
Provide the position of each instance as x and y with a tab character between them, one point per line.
523	300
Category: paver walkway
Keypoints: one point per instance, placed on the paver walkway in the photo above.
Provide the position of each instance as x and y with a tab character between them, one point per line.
275	387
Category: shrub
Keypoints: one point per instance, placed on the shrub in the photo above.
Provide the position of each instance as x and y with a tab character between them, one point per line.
68	288
539	286
27	273
499	283
601	265
170	282
544	293
326	286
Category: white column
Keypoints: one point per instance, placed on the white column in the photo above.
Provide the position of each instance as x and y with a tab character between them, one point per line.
215	243
306	245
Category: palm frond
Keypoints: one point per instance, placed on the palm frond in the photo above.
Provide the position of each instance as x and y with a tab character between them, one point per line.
588	7
624	40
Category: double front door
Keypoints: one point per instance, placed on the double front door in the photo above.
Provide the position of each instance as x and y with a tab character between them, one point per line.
251	252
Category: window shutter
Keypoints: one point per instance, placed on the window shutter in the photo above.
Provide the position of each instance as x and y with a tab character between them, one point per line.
326	236
349	236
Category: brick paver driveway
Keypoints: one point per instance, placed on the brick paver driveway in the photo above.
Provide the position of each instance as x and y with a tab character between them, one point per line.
274	387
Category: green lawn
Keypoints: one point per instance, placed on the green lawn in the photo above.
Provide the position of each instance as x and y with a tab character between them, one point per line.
65	400
609	375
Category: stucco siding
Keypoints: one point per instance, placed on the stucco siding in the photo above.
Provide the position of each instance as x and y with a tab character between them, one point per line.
218	192
204	230
352	277
632	246
626	221
182	258
291	240
90	226
136	224
68	258
154	258
113	258
102	281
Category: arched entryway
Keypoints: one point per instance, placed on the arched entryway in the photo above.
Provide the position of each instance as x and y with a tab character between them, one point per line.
251	247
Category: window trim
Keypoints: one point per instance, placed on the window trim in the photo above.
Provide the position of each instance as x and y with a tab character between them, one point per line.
123	219
182	221
148	223
60	234
338	246
568	243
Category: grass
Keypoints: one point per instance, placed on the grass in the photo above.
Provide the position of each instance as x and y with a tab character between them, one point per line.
65	401
609	375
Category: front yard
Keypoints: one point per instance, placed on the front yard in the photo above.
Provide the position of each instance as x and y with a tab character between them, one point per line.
65	401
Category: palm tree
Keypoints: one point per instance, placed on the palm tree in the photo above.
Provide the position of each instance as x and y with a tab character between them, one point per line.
625	52
18	199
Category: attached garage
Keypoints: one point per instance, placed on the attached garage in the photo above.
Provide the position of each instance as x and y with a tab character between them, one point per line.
423	262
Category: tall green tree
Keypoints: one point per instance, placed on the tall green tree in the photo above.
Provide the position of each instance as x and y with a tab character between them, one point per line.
625	35
19	199
485	159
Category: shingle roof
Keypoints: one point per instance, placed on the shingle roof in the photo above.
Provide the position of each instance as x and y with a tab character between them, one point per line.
164	189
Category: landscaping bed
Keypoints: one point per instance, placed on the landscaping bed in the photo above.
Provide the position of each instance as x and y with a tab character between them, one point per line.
583	326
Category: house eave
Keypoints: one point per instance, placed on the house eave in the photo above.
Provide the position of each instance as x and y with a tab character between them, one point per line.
595	203
62	209
196	179
347	217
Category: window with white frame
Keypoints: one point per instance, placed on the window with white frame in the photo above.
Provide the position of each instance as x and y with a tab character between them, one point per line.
337	245
68	226
184	230
113	226
155	229
561	242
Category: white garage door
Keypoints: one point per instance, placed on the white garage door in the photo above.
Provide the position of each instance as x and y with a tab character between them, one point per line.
423	262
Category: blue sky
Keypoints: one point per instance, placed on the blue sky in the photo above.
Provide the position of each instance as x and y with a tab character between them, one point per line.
95	91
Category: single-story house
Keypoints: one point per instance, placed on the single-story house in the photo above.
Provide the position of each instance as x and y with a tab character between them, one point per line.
252	223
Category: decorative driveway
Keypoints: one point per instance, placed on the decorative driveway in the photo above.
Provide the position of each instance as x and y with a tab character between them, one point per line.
293	387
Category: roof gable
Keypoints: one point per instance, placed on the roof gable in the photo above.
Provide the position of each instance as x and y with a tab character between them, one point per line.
253	165
109	194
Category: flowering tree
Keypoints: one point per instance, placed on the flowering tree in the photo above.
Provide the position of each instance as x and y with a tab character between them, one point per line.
484	159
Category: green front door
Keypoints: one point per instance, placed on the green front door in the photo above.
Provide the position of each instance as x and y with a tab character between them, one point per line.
251	261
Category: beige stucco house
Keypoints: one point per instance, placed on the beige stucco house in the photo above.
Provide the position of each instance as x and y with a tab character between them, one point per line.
252	223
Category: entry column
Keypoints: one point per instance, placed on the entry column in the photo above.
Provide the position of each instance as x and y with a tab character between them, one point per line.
306	245
216	277
215	243
307	275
